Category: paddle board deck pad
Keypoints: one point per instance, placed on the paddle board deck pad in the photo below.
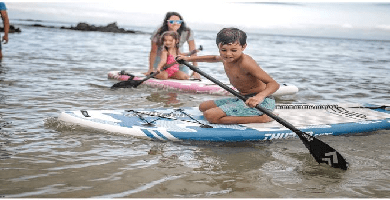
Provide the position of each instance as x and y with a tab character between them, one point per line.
189	124
193	85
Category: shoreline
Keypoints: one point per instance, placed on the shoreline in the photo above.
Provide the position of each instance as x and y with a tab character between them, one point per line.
81	26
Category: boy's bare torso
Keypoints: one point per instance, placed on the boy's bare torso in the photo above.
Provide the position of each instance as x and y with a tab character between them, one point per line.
241	78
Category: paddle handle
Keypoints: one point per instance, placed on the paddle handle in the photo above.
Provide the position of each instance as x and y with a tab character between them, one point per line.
195	51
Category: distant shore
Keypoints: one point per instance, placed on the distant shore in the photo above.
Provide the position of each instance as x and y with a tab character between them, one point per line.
82	26
113	28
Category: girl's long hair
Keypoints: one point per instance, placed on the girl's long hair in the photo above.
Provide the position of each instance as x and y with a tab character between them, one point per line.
164	27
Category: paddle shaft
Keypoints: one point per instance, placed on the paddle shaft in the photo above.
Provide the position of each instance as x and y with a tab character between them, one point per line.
195	51
321	151
153	75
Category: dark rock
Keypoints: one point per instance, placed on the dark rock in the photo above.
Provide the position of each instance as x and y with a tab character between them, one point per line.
12	29
113	27
40	26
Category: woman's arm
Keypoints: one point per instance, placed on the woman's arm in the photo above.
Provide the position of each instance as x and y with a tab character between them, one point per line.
192	47
163	61
152	56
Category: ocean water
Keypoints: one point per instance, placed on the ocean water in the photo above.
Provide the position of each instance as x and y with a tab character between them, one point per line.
45	71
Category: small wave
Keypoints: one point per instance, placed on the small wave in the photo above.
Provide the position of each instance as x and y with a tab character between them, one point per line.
54	123
50	189
139	189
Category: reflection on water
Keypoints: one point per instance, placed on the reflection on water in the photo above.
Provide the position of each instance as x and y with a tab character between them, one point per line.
46	71
169	99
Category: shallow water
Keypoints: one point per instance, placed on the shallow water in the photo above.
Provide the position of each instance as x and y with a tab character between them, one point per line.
46	71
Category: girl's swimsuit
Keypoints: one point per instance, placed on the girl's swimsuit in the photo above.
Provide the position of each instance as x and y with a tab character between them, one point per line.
237	107
173	69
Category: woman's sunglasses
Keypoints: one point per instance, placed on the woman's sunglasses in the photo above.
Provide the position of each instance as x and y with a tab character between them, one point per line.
175	21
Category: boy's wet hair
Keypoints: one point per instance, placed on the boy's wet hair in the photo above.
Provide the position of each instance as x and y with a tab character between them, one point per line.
231	36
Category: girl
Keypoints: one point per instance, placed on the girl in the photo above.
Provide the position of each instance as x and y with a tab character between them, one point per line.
170	41
173	21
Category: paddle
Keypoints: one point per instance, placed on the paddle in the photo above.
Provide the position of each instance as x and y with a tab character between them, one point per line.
321	151
135	83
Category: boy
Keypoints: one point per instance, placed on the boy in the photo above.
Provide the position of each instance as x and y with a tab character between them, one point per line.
245	75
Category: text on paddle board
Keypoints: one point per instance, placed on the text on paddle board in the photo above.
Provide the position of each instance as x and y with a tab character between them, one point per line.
275	136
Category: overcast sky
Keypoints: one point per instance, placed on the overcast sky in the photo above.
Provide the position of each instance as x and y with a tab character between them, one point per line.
354	20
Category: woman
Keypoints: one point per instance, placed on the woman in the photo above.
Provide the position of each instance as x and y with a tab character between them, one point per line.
172	22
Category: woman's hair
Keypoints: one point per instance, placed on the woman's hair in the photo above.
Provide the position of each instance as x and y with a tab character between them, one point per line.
164	27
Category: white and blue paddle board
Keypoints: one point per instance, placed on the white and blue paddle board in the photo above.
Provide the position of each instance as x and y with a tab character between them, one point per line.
189	124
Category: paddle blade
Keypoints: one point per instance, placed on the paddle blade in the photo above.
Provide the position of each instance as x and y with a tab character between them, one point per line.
322	152
126	84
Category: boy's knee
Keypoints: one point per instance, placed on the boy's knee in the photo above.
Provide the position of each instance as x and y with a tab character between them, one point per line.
210	117
202	107
214	116
206	105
